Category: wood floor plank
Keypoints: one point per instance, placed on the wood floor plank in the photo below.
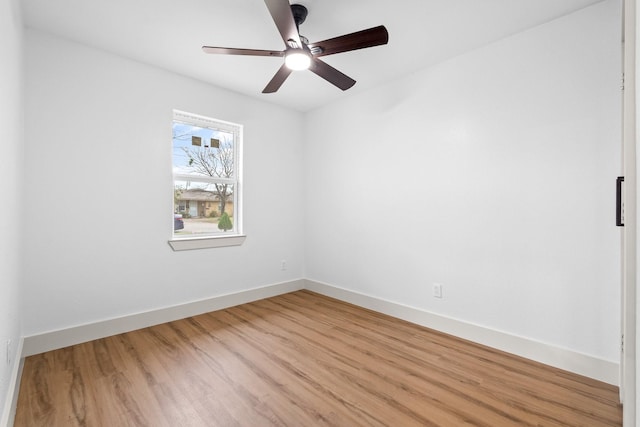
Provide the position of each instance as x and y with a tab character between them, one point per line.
488	388
316	375
399	363
401	385
301	359
285	378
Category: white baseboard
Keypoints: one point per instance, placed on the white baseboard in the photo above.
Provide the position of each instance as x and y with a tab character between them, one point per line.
11	402
562	358
558	357
52	340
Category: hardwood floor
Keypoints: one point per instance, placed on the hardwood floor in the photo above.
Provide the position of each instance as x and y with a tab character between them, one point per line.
301	359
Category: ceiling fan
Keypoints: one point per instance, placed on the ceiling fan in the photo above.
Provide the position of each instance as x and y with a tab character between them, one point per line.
299	54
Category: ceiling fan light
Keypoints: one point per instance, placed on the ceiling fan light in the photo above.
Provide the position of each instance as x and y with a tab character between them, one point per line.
297	59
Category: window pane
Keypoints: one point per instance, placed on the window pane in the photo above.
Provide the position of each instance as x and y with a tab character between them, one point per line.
206	176
203	209
203	151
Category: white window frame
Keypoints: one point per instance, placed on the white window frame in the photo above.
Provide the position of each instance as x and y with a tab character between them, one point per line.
236	237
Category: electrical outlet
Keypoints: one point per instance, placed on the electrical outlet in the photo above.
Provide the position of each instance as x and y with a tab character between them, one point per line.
437	290
283	265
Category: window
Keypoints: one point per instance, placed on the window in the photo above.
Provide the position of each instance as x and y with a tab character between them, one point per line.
206	182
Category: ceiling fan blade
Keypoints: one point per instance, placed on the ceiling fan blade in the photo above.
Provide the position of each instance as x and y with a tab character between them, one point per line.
375	36
280	11
277	80
233	51
331	75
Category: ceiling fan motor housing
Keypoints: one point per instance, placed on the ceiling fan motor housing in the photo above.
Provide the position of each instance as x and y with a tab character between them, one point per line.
299	14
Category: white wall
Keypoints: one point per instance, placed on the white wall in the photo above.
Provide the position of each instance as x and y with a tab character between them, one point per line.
99	205
492	174
11	42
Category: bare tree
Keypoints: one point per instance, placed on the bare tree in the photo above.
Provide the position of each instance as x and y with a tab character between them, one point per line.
217	162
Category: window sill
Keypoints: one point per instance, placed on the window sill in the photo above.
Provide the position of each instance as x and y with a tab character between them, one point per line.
206	242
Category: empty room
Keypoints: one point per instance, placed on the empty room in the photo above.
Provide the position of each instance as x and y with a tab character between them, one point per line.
318	212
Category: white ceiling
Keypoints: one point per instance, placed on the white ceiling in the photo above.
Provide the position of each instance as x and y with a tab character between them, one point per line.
169	34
